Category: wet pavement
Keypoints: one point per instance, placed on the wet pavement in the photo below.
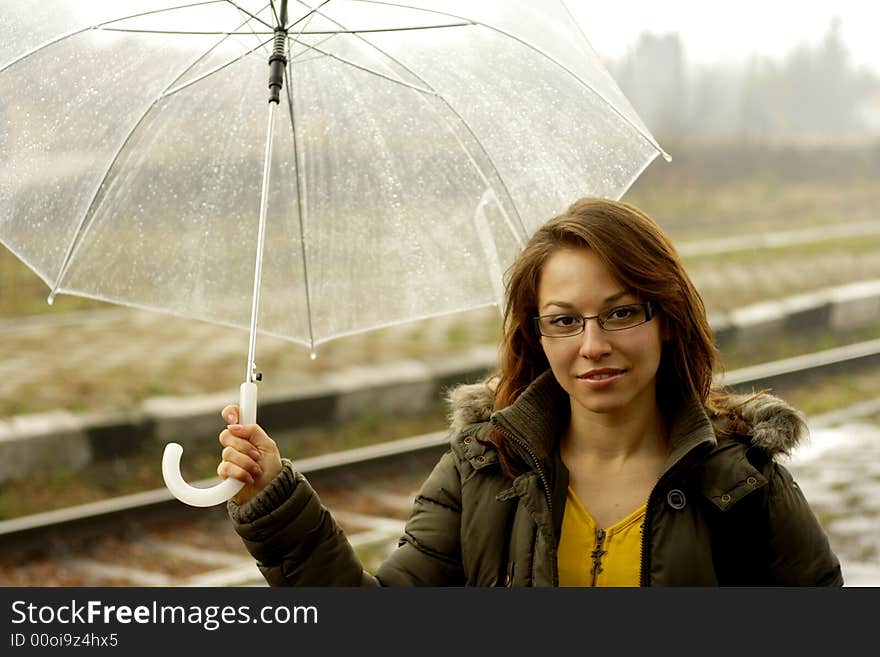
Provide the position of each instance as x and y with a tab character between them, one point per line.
839	473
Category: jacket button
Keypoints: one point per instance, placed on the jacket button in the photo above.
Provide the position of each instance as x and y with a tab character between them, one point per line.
751	481
725	498
481	458
467	441
676	499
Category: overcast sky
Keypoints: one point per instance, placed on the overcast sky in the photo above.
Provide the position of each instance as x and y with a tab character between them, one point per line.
714	31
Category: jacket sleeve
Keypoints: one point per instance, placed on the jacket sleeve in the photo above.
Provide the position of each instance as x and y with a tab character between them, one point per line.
429	553
296	541
294	538
800	554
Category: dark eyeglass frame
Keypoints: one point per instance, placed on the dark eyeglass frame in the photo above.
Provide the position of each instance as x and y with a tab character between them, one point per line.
650	308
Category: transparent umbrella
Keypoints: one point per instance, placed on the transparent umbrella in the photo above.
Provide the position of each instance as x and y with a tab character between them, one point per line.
412	149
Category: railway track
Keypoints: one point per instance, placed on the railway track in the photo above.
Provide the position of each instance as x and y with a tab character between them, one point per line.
151	539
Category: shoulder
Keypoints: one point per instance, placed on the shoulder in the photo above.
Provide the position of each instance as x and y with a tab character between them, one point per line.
766	425
470	404
753	433
469	408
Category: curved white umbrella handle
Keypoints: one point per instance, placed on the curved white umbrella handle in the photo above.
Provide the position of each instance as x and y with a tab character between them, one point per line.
225	489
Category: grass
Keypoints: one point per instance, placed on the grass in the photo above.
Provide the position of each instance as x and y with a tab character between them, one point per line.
788	345
852	246
714	189
734	208
827	394
141	470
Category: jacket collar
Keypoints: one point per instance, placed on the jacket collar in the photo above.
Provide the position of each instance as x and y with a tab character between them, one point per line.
538	416
541	411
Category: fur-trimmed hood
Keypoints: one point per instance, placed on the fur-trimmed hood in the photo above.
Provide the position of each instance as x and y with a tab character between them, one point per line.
775	427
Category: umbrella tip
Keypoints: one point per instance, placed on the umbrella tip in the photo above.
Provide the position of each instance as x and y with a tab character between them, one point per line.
313	354
51	298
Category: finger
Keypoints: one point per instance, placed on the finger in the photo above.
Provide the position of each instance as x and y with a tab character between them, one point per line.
230	414
241	444
228	470
254	434
243	461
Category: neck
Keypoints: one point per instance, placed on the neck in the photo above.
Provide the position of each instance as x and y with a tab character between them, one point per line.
615	437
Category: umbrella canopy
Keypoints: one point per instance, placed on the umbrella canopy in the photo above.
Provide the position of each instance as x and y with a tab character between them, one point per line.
412	149
416	148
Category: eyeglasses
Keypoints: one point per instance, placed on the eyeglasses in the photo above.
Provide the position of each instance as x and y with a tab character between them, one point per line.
619	318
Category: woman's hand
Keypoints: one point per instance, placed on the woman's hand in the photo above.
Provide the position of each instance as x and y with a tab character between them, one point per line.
249	455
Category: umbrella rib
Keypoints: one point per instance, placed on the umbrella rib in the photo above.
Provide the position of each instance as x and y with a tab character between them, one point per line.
247	22
300	188
308	15
46	44
302	60
100	26
518	235
411	28
179	32
300	209
292	57
256	18
367	69
88	215
173	90
159	11
554	61
275	13
170	91
194	32
316	10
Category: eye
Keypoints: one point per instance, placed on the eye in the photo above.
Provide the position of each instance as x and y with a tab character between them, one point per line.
564	320
623	312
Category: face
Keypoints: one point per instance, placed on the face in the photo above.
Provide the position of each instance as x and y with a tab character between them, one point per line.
605	372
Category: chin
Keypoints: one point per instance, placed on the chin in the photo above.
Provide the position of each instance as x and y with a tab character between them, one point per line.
600	402
608	401
602	406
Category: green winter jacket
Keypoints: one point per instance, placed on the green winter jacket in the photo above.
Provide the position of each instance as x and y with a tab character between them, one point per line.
723	512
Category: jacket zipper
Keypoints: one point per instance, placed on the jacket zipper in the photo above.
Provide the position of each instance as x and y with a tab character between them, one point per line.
597	555
644	554
543	477
535	463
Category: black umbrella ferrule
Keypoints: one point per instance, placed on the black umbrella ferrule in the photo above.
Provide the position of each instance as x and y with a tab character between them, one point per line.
277	63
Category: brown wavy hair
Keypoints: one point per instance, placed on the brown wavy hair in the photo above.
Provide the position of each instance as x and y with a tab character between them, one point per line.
643	259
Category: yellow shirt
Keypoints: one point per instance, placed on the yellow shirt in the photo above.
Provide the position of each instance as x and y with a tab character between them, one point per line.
589	556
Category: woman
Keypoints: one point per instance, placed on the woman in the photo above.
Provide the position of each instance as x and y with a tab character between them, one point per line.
599	455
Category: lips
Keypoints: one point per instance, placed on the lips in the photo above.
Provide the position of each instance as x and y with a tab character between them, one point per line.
601	374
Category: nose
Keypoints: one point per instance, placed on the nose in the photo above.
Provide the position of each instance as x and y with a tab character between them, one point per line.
594	341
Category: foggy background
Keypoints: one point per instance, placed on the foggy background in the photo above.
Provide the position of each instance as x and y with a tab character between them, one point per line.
814	93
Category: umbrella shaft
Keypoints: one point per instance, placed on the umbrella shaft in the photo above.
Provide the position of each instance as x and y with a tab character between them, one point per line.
261	231
278	58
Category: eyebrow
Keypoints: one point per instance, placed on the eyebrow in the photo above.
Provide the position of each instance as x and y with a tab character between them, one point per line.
564	304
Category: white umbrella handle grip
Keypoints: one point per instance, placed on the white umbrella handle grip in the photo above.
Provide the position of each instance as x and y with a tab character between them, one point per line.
225	489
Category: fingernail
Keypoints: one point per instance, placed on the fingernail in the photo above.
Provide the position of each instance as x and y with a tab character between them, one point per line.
250	480
231	418
234	427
